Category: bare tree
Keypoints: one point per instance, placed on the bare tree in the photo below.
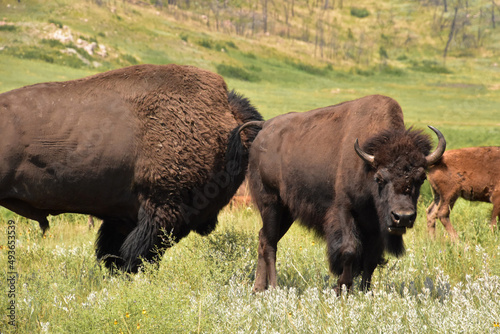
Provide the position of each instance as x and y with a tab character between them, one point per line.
493	5
450	36
264	14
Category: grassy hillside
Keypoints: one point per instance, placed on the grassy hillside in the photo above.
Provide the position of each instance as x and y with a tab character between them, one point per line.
45	40
324	53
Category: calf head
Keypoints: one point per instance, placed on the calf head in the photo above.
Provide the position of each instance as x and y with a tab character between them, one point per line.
398	161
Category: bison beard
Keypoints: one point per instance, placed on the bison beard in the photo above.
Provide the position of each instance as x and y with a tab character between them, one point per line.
151	150
303	166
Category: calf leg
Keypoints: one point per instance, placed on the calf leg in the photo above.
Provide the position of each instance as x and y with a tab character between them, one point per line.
443	213
495	199
90	223
276	221
432	216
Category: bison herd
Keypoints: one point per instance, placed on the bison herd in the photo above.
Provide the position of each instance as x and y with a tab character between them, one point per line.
156	152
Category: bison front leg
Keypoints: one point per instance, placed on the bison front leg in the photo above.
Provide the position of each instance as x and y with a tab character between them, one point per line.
495	199
276	221
343	246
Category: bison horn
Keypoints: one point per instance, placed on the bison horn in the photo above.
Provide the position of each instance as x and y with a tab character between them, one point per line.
433	157
251	123
363	155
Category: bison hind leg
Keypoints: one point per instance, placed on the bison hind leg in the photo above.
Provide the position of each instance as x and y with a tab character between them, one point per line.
110	238
495	199
44	225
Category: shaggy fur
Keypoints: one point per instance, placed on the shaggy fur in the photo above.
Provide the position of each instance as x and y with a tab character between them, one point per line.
144	148
304	166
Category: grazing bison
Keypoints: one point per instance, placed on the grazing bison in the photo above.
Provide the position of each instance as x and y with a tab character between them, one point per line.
308	166
150	150
472	173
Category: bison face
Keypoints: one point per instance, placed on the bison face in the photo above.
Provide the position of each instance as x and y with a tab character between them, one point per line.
398	160
397	193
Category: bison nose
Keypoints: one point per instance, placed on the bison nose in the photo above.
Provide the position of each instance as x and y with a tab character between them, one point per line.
405	219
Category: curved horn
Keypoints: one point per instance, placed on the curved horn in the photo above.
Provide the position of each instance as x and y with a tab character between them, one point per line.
251	123
433	157
363	155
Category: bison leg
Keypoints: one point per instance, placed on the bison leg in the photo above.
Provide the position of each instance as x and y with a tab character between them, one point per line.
110	238
90	223
44	224
495	199
443	213
276	221
372	256
343	246
432	216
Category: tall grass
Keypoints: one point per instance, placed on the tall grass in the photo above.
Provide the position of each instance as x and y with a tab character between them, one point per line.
204	284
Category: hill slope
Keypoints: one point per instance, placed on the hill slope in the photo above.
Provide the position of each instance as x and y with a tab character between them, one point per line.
325	53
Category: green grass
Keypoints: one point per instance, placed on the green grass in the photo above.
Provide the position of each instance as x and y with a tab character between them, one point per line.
204	283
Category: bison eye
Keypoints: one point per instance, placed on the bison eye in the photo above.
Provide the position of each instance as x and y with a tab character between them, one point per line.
378	178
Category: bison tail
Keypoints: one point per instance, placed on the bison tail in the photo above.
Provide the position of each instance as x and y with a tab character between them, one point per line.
237	149
250	124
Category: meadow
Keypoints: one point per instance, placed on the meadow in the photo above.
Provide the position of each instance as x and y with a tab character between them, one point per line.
204	284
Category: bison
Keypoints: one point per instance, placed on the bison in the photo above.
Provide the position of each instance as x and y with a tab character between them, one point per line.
153	151
309	166
472	173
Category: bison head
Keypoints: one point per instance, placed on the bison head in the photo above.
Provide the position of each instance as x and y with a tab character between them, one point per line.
398	161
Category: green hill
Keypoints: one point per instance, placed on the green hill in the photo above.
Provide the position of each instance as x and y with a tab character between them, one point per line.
285	55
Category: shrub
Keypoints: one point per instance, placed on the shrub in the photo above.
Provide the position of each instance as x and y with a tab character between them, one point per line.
430	66
310	68
386	69
250	55
8	27
236	73
57	23
130	59
54	43
206	43
232	45
359	12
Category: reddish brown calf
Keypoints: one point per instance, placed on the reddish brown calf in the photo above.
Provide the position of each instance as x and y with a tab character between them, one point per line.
472	173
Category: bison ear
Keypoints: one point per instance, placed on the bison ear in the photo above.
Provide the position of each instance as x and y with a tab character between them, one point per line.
368	158
434	157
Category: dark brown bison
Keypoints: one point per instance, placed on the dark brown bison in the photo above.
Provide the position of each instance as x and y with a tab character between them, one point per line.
472	173
308	166
150	150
